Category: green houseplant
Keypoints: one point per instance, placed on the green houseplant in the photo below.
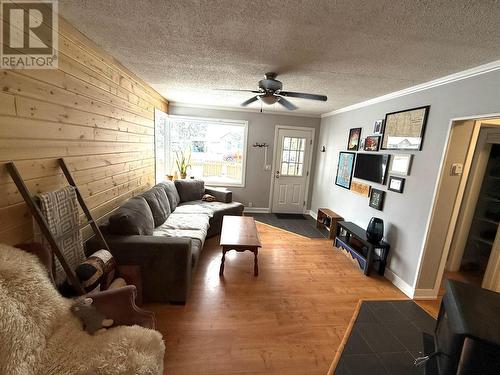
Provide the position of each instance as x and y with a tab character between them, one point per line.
183	163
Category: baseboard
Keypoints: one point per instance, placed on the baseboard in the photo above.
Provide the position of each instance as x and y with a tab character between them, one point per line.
399	283
425	294
311	213
257	210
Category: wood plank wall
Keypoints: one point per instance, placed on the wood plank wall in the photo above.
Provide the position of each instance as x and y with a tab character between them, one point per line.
93	112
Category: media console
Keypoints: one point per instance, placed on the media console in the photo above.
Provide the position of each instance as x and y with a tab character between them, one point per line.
352	238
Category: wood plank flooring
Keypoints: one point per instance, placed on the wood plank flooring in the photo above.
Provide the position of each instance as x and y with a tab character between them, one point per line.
288	320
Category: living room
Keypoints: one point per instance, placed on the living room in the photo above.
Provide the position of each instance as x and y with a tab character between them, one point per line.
267	178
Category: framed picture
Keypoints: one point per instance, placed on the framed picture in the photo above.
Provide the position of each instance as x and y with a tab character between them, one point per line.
362	144
404	130
344	169
360	188
401	164
377	199
372	143
354	138
378	127
396	184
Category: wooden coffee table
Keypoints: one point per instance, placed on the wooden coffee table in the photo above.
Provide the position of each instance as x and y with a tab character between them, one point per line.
239	233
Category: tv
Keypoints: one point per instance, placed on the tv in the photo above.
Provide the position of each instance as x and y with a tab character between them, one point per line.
371	167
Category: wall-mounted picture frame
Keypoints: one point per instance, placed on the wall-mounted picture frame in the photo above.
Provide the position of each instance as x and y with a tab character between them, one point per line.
378	127
354	138
377	199
401	164
372	143
396	184
360	188
404	130
345	168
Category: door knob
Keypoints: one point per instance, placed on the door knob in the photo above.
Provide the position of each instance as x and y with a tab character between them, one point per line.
277	174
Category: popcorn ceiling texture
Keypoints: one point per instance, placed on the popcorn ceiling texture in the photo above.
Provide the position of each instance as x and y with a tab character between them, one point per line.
350	50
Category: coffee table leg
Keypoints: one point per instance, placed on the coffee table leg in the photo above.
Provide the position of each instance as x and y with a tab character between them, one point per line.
221	271
255	263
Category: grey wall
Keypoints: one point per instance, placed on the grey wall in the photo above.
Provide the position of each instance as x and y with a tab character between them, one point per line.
261	128
405	215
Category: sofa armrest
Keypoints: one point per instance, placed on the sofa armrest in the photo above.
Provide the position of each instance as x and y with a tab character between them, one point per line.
225	196
119	305
164	262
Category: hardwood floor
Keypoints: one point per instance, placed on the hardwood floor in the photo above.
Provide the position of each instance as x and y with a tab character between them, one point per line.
288	320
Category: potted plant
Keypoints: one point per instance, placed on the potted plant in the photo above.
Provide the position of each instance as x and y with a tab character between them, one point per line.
183	163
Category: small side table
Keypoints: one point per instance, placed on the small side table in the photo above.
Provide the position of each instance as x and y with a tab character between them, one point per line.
328	219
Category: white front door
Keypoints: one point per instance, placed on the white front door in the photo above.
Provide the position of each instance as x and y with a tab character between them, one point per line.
291	172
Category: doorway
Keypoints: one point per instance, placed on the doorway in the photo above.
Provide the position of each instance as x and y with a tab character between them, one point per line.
474	248
292	164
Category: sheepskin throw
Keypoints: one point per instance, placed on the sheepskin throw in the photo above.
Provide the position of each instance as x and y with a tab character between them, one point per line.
60	209
39	334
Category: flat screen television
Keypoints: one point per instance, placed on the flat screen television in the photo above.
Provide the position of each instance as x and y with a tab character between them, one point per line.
371	167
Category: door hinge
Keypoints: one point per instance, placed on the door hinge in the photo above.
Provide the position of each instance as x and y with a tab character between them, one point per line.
307	173
303	204
310	141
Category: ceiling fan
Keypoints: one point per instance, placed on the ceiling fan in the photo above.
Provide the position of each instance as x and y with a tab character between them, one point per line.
270	92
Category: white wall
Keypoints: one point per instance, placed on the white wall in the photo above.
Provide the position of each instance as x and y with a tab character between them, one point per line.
261	128
405	215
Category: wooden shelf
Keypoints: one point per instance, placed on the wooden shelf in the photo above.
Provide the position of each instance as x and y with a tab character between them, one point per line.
328	220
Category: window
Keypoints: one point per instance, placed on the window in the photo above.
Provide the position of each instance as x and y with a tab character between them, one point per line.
292	158
215	149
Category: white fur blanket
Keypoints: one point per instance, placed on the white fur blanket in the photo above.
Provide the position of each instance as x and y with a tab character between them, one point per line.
39	335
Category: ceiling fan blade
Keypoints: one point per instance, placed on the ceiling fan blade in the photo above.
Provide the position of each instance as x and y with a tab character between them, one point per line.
287	104
249	101
254	91
303	95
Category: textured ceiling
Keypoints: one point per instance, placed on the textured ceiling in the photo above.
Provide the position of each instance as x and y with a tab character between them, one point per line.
350	50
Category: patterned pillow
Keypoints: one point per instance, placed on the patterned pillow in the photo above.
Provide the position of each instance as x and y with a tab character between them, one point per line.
208	198
97	271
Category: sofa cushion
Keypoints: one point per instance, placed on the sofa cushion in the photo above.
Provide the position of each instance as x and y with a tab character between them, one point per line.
195	209
172	194
227	208
190	190
184	225
133	217
158	203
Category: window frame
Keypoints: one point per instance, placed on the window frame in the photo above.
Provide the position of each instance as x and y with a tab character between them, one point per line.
242	123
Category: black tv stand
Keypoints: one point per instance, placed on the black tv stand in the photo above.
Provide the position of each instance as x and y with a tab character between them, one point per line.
352	239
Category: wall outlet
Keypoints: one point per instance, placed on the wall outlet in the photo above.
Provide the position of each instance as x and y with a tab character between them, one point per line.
456	169
267	167
250	204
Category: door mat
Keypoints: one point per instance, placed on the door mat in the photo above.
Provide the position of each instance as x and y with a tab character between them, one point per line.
291	216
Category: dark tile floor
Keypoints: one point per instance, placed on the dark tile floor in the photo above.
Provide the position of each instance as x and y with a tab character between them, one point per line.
300	224
386	338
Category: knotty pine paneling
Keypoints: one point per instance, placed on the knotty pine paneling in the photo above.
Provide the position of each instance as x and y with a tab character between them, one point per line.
93	112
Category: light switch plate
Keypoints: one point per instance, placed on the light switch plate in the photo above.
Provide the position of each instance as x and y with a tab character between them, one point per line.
456	169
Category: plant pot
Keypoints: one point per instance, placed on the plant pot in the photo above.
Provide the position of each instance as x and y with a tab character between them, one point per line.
183	176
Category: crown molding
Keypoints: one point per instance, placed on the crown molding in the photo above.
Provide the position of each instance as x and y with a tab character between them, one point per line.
469	73
232	109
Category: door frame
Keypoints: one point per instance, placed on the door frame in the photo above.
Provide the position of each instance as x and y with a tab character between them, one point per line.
309	163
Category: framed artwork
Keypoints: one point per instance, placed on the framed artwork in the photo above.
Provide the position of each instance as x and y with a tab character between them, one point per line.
360	188
378	127
354	138
362	144
377	199
404	130
401	164
344	169
396	184
372	143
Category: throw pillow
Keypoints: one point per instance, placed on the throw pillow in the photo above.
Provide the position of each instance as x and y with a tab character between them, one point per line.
190	190
208	198
97	271
158	203
134	217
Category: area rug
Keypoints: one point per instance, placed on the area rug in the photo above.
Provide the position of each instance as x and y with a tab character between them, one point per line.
298	224
386	338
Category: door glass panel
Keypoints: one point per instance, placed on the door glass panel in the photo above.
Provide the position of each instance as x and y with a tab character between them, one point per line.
292	158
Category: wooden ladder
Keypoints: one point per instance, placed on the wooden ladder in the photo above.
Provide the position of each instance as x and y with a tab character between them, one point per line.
42	223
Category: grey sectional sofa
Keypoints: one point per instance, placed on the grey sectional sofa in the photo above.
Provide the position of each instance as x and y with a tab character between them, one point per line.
163	231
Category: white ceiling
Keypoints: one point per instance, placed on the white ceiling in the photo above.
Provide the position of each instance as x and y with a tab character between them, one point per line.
350	50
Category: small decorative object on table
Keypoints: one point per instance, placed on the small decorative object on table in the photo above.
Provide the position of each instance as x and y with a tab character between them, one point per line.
375	230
